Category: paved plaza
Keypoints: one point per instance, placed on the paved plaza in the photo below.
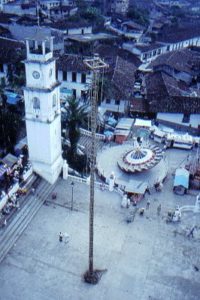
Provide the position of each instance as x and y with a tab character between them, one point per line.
145	260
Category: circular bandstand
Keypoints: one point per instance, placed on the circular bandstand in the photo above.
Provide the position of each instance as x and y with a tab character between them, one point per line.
140	158
139	163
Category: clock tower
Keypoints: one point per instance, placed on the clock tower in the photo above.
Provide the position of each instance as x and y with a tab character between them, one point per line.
42	109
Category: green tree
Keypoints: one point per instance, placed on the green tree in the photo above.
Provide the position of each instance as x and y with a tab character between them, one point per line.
81	4
9	129
3	97
141	16
76	116
16	76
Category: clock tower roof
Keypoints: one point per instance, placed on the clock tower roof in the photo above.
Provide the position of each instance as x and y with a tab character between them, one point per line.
39	47
39	36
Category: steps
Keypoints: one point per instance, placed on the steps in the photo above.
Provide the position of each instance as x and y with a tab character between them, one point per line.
10	233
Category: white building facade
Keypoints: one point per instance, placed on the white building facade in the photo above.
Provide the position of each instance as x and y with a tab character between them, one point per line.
146	56
74	76
42	108
78	83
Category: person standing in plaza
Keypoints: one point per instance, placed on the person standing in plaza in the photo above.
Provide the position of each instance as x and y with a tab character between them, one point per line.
148	204
159	209
60	237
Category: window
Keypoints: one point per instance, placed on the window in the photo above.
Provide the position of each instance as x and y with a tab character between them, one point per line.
82	31
64	76
83	78
74	93
117	102
36	103
83	95
107	101
73	76
144	56
1	67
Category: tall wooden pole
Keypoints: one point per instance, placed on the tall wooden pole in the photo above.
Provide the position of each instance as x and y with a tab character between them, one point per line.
92	168
95	65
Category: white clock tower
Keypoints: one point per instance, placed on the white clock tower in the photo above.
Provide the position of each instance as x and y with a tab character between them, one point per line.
42	108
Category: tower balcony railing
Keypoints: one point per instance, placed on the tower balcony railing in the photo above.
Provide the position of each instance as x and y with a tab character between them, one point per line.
37	55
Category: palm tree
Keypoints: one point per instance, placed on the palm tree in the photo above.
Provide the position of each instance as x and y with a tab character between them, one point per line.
76	116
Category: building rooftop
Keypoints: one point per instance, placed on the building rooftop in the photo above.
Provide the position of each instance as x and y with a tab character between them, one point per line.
4	32
70	62
133	25
90	37
177	34
184	60
109	53
64	24
6	18
38	35
123	77
194	119
159	83
145	48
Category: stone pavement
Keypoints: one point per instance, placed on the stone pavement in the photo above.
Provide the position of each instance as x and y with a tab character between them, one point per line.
145	259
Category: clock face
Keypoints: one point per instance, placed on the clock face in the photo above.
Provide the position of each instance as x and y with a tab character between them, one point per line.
36	74
50	72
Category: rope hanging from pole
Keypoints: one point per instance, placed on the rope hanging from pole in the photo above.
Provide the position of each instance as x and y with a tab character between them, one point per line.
102	86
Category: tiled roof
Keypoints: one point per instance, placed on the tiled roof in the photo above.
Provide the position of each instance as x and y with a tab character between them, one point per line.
133	25
177	34
4	32
166	94
160	83
109	53
123	65
124	76
5	18
69	62
64	25
184	60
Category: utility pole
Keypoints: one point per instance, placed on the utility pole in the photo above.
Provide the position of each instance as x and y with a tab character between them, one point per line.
95	64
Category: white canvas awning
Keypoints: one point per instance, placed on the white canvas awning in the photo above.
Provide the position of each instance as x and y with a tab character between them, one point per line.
142	123
136	187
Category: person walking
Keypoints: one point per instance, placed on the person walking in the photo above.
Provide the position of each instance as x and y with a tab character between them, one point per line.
148	204
191	233
159	209
60	237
